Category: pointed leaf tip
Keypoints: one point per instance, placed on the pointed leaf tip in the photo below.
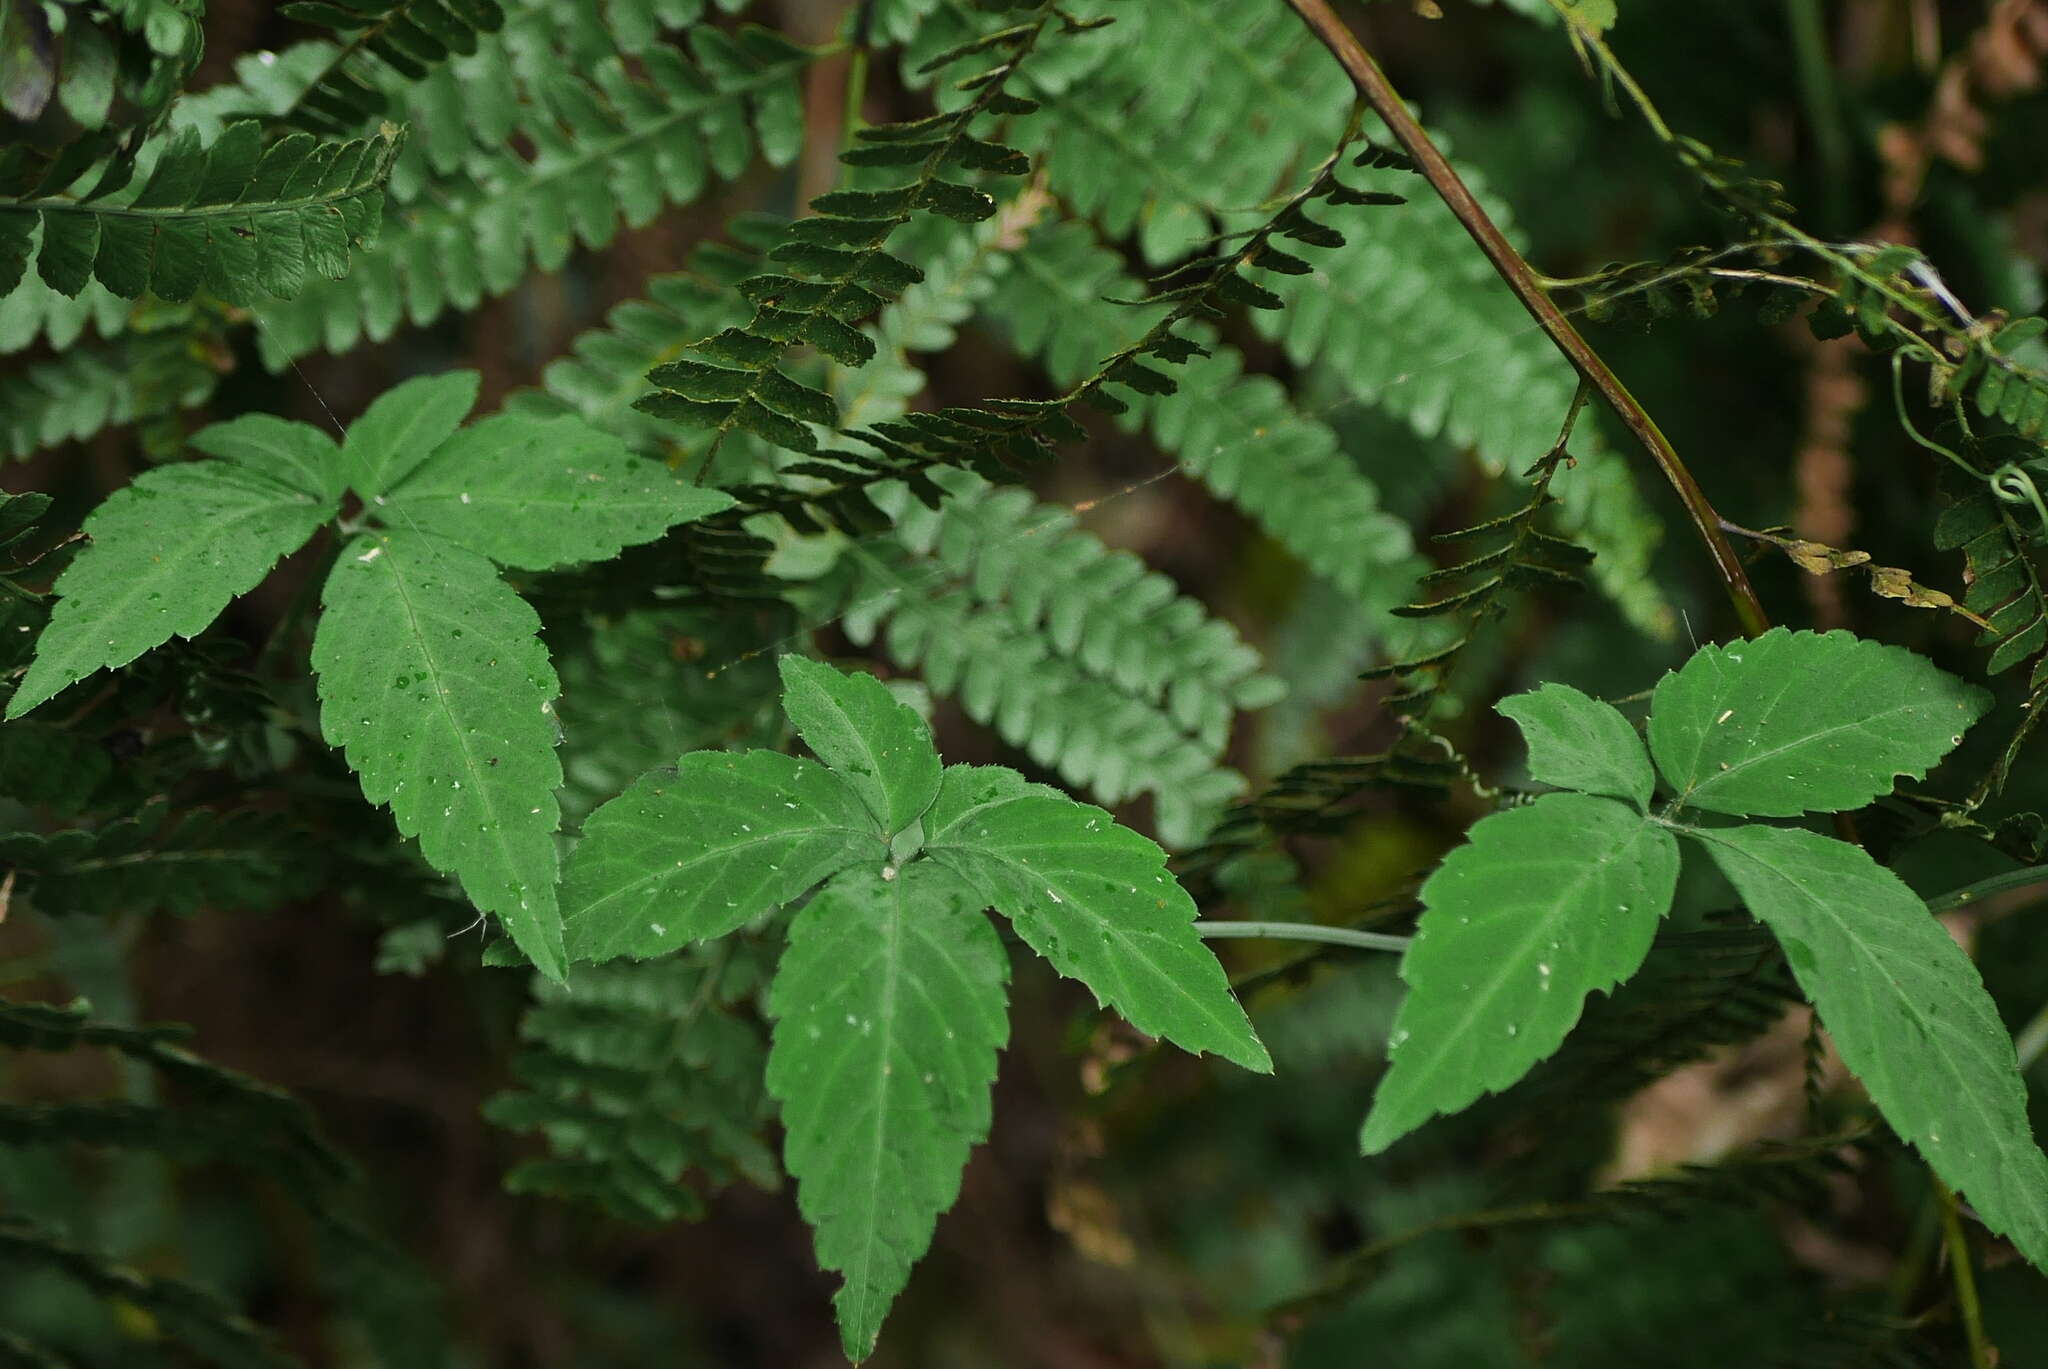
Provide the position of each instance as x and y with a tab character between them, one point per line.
871	739
1095	899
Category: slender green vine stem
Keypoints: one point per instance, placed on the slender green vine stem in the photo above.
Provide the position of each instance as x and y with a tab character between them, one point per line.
1985	888
1301	931
1378	93
1965	1277
1817	91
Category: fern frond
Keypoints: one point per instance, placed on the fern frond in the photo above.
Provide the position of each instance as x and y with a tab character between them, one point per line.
230	216
226	1114
602	375
1106	715
154	862
1413	320
842	272
1496	558
1238	434
638	1073
1795	1174
33	312
646	687
2006	591
610	149
63	400
186	1314
2004	586
1001	436
408	37
1192	111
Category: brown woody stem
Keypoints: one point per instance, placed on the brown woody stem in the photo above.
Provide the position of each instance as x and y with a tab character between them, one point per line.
1379	94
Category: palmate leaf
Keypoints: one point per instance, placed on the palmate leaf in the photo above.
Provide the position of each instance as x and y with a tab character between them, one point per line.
728	837
167	555
1542	906
1093	898
1907	1010
889	999
1580	743
880	747
1803	722
434	681
889	1007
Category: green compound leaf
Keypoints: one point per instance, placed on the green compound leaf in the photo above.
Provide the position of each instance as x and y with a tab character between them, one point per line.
167	554
1803	722
1095	900
889	1011
403	427
540	493
297	453
693	855
875	743
434	681
1541	906
1576	742
1907	1010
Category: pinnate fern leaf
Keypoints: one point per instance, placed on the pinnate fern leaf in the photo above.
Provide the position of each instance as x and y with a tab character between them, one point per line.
408	37
890	1008
231	217
642	1075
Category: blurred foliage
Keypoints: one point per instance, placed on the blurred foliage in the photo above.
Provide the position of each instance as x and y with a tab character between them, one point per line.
1812	238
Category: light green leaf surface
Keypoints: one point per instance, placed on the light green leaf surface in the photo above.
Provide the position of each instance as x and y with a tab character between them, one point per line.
1906	1009
403	427
434	681
1576	742
1093	898
540	493
889	1011
1803	722
167	554
686	856
1541	906
873	741
298	454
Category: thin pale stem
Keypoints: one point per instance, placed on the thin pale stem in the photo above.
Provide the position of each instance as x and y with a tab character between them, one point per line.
1378	93
1965	1276
1985	888
1302	931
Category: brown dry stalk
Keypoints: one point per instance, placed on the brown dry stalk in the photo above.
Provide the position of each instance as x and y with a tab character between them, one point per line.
1380	95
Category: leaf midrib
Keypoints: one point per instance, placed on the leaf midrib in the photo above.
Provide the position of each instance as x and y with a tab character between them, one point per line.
477	778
